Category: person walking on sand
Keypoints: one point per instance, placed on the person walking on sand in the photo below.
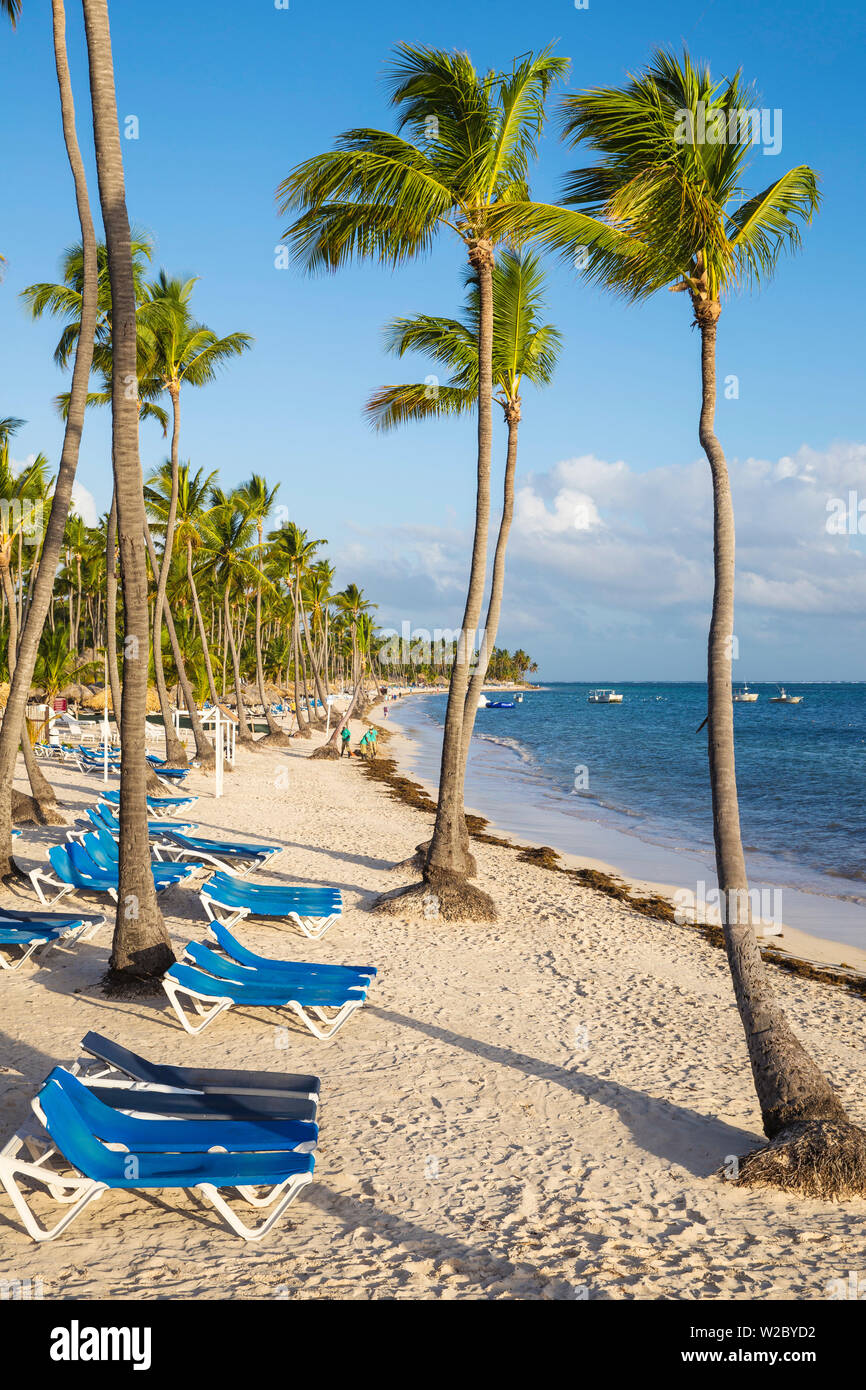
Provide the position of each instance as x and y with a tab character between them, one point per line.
346	736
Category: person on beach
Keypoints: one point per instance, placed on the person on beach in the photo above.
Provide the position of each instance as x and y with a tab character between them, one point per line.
346	738
371	742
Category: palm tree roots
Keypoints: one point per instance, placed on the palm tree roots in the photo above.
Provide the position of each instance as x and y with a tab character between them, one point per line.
811	1158
442	896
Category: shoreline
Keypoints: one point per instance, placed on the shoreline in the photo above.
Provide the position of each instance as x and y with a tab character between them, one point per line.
796	940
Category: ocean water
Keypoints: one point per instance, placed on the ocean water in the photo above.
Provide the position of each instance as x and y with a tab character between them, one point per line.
559	767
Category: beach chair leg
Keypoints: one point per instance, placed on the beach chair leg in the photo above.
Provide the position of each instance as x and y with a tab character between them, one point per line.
329	1026
206	1015
215	913
10	964
313	927
38	877
86	1188
292	1188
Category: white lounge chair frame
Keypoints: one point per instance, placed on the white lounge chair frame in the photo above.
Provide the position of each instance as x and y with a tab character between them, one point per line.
73	1190
312	927
327	1027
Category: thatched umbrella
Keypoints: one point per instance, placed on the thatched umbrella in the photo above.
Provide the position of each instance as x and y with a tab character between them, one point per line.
153	705
97	700
4	694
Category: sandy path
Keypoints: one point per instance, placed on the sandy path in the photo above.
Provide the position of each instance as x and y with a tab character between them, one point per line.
533	1109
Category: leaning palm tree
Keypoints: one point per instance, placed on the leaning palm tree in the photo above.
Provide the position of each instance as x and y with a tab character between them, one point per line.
141	947
473	137
680	199
43	589
524	349
178	352
257	498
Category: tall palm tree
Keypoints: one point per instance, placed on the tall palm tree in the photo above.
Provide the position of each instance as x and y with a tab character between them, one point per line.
694	229
257	498
141	947
178	352
380	194
190	531
290	552
524	349
43	589
225	558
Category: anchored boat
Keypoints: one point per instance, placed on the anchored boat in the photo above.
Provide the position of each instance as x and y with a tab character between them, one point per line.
783	698
745	696
603	697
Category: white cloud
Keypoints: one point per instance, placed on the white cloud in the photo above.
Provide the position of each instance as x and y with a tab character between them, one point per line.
84	503
603	557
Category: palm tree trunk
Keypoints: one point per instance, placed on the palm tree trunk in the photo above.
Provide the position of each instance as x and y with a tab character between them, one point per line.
204	749
303	726
205	645
111	609
175	752
497	585
43	592
141	946
244	732
447	856
317	679
46	808
798	1107
274	729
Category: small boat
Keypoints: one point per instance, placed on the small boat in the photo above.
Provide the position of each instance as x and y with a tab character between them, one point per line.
603	697
500	704
745	696
783	698
519	699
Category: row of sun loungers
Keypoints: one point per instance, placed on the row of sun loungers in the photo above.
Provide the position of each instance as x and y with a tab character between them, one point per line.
114	1119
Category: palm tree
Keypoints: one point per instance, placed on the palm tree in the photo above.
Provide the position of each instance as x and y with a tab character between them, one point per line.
225	558
290	553
694	229
190	531
43	589
524	349
380	194
141	947
178	351
258	498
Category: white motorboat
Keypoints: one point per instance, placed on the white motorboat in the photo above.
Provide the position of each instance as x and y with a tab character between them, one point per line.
745	696
783	698
603	697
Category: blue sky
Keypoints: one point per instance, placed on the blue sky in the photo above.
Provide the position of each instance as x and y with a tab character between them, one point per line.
229	98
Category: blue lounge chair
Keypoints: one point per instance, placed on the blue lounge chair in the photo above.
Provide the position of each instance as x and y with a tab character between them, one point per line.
321	1006
26	932
219	854
234	951
102	817
107	816
98	1168
113	1062
164	1135
229	900
75	872
161	806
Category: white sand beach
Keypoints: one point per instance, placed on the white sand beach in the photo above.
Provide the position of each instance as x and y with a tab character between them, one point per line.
534	1109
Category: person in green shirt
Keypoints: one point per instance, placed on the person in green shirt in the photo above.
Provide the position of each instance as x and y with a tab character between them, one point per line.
346	737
